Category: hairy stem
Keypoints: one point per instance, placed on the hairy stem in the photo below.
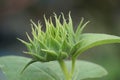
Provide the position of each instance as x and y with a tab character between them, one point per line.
64	69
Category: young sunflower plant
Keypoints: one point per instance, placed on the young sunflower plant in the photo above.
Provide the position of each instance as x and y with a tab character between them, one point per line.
60	41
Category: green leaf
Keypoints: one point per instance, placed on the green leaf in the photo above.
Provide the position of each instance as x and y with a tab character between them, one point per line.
13	65
85	70
90	40
2	75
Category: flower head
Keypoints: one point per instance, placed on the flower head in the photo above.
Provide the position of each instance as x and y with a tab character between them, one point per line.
56	42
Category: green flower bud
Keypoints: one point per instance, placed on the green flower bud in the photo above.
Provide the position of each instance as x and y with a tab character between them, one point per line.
56	42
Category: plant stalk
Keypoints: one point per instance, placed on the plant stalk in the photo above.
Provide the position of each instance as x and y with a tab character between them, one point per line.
64	69
73	65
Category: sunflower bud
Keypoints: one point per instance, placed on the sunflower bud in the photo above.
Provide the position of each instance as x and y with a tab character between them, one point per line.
56	42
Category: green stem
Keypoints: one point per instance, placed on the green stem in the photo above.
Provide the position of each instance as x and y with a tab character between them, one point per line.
65	70
73	65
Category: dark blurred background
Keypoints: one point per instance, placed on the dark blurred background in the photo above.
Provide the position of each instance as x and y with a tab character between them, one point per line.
104	15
